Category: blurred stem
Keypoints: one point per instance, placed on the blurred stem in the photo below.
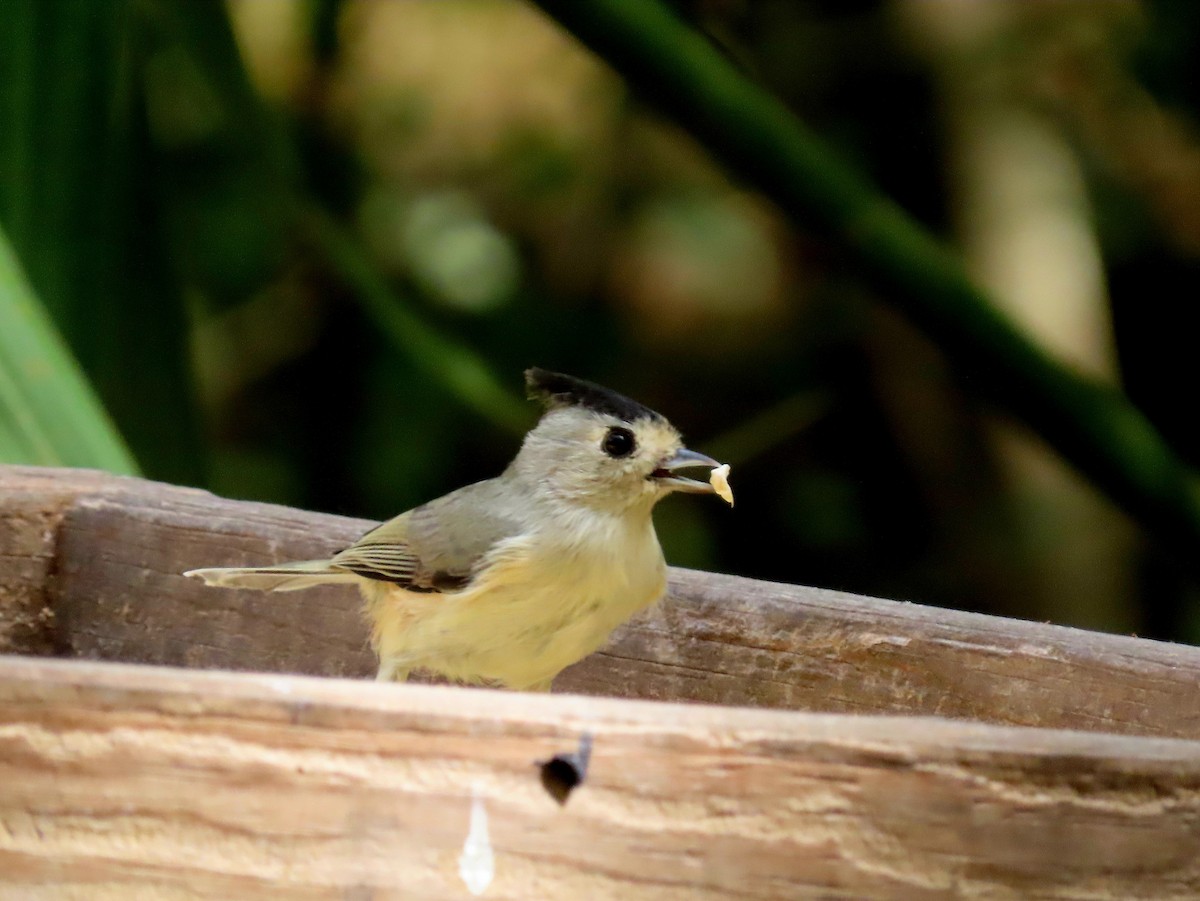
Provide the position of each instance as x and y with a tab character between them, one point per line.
767	429
464	374
462	371
1091	424
325	15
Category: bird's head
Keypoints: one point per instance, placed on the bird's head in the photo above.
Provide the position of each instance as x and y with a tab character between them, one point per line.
596	447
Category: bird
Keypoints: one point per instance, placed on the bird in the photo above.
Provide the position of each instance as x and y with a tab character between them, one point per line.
508	581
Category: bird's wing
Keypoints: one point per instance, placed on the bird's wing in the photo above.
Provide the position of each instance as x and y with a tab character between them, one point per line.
386	555
435	547
383	562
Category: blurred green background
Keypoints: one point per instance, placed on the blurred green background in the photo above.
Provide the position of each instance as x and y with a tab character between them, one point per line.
302	251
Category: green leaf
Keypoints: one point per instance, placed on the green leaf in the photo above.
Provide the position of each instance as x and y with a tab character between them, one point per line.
48	412
77	198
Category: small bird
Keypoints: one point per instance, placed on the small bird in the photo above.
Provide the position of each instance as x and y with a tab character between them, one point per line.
510	580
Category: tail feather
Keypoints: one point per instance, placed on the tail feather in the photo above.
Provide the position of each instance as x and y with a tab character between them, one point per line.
286	577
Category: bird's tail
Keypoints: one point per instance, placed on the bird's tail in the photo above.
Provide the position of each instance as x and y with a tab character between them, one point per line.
285	577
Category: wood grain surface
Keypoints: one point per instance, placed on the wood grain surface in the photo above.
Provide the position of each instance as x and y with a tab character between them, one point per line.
120	782
32	504
109	569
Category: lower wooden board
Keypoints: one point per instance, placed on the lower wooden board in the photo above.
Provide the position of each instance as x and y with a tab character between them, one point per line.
121	782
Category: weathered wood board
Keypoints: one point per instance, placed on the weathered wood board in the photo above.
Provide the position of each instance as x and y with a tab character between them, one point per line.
121	782
104	556
32	504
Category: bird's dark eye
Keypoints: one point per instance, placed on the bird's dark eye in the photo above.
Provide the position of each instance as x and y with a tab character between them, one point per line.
618	442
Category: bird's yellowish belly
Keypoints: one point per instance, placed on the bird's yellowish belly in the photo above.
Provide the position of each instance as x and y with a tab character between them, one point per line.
533	612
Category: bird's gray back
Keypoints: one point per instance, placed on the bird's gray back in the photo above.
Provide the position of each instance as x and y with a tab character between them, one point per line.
452	533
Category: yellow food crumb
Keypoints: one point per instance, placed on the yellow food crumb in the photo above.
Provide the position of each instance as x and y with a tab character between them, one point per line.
719	479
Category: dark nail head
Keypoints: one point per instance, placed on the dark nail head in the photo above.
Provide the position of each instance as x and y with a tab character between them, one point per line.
562	773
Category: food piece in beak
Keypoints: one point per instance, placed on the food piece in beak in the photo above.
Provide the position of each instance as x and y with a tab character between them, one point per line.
719	479
685	459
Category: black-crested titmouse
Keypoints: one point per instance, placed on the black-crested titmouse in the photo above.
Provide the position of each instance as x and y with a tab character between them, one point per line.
510	580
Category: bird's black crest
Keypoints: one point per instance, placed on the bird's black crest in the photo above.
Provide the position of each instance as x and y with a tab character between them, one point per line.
557	390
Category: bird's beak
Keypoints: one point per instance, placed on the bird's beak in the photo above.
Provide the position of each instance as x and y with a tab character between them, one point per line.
684	459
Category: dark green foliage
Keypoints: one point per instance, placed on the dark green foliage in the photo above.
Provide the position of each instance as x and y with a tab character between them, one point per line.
77	201
257	284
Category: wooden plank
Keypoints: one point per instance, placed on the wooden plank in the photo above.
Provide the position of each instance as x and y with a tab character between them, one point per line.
727	640
118	595
118	780
32	504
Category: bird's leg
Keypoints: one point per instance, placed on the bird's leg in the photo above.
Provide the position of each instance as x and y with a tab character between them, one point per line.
391	671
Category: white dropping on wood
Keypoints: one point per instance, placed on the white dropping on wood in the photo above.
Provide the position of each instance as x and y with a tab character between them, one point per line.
476	865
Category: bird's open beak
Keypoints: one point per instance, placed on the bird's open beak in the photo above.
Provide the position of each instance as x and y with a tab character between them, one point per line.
684	459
